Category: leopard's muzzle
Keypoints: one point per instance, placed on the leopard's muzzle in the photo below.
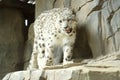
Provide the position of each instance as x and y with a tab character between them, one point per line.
68	30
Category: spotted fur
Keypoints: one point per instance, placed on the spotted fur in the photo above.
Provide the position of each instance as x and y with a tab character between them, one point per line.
55	32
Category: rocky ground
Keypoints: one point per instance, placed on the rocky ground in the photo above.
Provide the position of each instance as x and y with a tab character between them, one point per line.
103	68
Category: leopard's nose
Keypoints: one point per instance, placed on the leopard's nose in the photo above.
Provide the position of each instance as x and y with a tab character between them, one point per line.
68	30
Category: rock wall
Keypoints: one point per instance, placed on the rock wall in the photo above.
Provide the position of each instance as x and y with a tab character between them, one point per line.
98	29
101	20
11	40
28	46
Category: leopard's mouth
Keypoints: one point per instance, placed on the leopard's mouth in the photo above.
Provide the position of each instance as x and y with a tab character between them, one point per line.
68	30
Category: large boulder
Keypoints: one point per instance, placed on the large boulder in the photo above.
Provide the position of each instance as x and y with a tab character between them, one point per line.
11	40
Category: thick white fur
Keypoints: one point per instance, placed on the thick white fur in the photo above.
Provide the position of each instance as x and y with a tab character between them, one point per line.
52	38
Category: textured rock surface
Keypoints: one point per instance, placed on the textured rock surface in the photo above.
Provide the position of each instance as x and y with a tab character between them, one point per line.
11	40
92	70
101	22
74	73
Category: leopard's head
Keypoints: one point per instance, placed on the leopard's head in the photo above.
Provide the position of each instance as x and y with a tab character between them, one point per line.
67	22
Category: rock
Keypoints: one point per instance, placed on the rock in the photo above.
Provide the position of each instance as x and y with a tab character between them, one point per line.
11	40
42	5
28	46
58	3
72	73
93	70
111	60
100	24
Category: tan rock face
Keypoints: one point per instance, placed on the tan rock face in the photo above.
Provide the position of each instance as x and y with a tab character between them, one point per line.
101	24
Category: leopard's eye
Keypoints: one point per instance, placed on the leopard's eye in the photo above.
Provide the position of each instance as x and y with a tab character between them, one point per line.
60	21
69	20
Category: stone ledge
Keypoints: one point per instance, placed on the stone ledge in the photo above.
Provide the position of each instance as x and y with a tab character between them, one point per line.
71	73
102	68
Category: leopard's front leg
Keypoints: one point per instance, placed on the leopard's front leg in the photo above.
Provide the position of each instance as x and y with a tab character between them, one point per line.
68	51
47	60
48	56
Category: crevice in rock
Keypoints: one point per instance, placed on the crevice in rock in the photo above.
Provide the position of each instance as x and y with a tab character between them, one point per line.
111	15
54	3
79	74
42	75
24	78
109	21
97	8
84	5
9	76
118	29
110	28
81	38
30	74
118	75
100	33
42	78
